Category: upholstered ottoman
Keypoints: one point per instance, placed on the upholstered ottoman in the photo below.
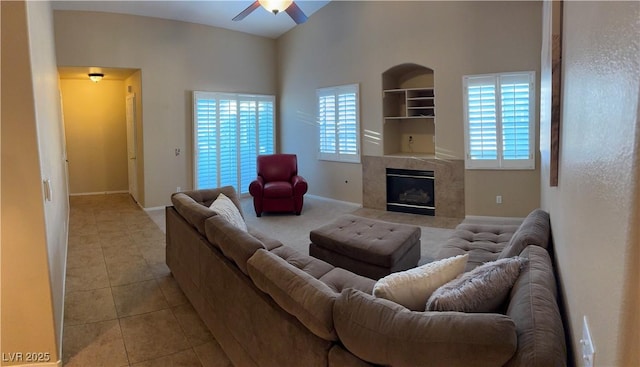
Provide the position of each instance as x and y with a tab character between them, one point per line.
371	248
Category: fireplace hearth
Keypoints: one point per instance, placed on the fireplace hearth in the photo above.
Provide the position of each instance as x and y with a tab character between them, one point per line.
411	191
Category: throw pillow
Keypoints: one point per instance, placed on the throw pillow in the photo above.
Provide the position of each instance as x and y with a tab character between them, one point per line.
225	208
411	288
483	289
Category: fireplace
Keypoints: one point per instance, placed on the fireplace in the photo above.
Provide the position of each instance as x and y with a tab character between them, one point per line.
411	191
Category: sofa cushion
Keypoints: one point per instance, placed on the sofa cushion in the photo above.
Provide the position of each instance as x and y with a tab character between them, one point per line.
225	208
334	277
411	288
534	230
383	332
268	242
235	244
340	279
194	205
310	265
340	357
484	289
483	242
296	291
533	308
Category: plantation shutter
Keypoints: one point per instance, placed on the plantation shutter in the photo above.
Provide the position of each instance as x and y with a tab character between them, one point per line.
206	130
347	124
515	101
499	121
230	130
338	123
327	117
227	143
482	119
248	141
266	127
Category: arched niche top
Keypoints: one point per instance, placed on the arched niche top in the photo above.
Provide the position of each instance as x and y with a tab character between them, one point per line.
407	75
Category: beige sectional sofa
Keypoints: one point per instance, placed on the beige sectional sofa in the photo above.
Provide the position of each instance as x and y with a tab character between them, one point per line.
268	305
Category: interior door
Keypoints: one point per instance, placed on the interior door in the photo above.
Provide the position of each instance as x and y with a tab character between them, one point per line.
131	146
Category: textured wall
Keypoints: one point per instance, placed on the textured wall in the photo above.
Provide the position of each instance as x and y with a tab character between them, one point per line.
356	41
175	58
34	231
594	210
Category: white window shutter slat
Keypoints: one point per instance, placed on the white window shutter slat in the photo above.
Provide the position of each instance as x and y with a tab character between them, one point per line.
499	121
338	123
230	131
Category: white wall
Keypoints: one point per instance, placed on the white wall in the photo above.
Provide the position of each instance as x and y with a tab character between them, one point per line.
595	209
175	58
356	41
34	231
51	140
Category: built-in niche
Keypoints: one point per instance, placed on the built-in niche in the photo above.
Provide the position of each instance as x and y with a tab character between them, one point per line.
409	111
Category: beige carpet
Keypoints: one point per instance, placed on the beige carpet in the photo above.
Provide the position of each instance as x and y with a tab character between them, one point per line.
294	230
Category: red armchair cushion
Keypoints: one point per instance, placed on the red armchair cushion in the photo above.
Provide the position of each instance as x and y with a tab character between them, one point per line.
278	189
277	167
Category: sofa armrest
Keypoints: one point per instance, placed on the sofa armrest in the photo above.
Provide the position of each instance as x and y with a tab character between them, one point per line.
299	185
382	332
193	205
207	196
534	230
192	211
256	187
534	309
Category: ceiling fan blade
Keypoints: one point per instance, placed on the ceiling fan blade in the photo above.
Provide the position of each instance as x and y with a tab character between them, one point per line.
296	13
247	11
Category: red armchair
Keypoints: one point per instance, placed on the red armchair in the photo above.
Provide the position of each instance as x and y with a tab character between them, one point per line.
278	187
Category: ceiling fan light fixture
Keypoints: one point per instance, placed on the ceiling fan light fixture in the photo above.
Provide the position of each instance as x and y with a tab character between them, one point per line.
275	6
96	77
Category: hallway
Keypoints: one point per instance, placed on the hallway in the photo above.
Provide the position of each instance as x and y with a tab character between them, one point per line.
122	306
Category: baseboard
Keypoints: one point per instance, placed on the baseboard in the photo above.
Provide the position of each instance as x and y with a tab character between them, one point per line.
334	200
99	193
154	208
490	219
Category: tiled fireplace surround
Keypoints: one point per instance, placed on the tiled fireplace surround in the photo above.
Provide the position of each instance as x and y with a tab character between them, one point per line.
449	185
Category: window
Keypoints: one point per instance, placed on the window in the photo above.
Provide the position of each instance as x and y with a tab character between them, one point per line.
499	121
230	131
339	123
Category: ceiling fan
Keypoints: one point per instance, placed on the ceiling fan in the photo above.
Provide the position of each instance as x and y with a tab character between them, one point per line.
275	6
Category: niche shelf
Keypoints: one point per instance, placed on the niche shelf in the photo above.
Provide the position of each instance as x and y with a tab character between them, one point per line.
409	110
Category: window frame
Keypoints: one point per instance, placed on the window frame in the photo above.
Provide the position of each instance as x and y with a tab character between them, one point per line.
239	98
500	163
337	156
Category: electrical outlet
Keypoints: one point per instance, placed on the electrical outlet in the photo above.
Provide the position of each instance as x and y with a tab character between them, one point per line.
178	189
177	151
588	350
499	199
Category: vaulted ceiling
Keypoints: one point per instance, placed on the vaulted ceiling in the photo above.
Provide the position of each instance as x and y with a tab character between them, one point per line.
216	13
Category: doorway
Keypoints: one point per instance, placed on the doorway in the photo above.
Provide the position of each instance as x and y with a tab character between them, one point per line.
132	165
103	129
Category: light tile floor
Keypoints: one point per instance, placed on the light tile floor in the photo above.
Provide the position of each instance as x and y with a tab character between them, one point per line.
122	306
